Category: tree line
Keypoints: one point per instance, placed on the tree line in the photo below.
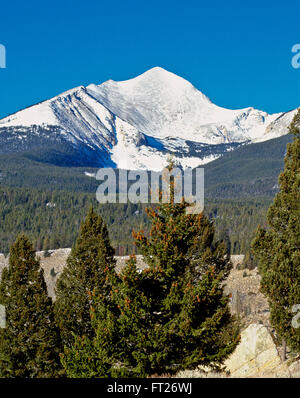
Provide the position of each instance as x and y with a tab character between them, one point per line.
52	219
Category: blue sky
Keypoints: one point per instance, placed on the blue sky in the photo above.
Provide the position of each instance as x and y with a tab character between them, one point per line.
238	53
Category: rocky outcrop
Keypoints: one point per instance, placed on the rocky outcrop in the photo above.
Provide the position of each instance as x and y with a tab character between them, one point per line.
256	355
237	260
53	262
246	300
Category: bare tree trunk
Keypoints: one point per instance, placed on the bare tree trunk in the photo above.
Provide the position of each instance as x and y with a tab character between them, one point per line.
283	350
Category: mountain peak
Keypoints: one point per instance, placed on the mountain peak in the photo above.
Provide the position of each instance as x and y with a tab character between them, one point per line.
155	79
160	78
159	72
157	102
157	69
158	75
138	122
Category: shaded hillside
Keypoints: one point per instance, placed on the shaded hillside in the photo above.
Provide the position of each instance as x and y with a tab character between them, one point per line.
249	171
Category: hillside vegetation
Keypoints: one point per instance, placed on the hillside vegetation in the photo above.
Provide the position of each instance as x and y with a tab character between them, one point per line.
52	219
48	202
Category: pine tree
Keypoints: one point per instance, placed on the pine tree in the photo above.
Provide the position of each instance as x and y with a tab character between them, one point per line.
189	319
278	248
30	344
169	317
85	273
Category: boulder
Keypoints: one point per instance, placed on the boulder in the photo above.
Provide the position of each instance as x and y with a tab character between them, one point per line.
256	355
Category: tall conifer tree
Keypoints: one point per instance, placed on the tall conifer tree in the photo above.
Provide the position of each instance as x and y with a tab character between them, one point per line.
278	248
84	275
30	342
172	315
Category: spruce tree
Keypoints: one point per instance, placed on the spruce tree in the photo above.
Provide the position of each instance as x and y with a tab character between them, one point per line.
278	248
171	316
189	321
30	343
85	274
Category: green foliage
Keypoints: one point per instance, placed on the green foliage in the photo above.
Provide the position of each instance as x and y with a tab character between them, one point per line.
278	248
30	343
189	315
168	317
86	270
27	185
105	353
52	219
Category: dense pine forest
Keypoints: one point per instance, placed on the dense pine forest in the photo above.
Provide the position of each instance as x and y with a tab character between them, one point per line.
52	219
47	200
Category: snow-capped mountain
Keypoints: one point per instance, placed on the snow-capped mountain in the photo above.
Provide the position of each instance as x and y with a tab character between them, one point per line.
139	123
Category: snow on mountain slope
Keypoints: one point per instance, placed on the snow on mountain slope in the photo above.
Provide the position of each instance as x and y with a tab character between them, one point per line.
78	114
138	123
163	105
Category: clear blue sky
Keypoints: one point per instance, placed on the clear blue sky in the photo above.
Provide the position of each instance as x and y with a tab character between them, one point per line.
237	52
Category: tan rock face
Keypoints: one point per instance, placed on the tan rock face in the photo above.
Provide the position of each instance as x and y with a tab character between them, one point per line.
237	260
256	355
53	265
246	301
3	263
294	369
